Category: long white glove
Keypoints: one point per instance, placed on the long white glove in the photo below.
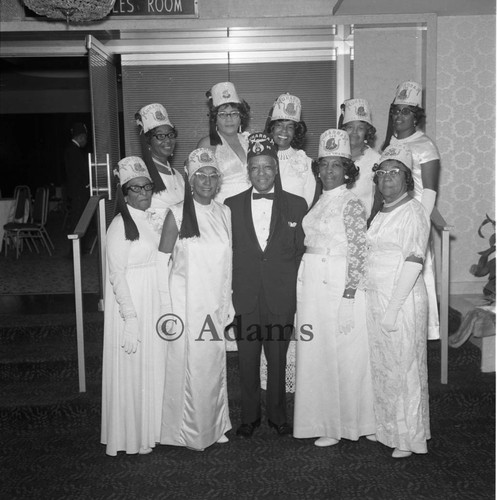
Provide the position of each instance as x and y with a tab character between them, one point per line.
130	336
163	282
408	276
346	315
428	198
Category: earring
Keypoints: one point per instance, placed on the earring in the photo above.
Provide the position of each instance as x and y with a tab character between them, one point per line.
347	177
240	129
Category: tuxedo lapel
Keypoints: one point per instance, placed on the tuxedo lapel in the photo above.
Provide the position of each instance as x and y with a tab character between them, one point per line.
273	226
249	221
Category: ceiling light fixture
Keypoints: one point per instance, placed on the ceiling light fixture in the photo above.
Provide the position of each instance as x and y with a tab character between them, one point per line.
78	11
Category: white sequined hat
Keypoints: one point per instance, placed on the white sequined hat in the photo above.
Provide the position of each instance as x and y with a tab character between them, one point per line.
224	93
151	116
334	142
357	109
409	93
398	152
201	157
130	168
287	107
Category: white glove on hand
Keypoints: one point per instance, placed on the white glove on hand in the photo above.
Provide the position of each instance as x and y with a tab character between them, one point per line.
428	198
408	276
346	315
130	336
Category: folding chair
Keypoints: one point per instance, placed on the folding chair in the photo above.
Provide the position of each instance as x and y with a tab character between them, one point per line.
35	230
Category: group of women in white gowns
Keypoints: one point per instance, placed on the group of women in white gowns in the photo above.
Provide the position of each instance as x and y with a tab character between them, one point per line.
175	392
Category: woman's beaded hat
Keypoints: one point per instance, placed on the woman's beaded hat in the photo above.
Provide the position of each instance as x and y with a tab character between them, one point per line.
409	93
130	168
224	93
201	157
398	152
334	142
287	107
357	109
152	116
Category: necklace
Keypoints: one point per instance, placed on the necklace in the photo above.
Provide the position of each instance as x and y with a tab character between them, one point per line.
393	203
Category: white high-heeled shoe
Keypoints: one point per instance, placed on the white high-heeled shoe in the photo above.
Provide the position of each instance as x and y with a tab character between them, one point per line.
223	439
326	441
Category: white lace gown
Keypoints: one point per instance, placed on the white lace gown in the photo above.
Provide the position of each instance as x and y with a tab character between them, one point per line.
364	186
333	395
235	177
132	384
195	412
424	150
398	359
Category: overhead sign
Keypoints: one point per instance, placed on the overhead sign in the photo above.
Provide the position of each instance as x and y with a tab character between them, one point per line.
139	8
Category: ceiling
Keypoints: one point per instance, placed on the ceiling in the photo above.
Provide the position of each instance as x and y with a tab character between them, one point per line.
440	7
26	73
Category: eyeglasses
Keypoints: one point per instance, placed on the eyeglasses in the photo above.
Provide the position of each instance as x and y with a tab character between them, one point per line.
170	135
224	115
393	173
203	177
401	111
138	189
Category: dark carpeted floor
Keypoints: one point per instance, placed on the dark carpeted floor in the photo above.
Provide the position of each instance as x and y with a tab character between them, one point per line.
50	437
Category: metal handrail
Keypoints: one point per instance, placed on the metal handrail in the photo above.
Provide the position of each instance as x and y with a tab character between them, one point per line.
442	226
95	203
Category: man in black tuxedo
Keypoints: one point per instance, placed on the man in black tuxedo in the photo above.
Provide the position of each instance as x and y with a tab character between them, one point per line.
268	243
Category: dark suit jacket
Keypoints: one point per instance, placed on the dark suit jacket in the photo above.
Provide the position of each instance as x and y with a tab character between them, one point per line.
274	270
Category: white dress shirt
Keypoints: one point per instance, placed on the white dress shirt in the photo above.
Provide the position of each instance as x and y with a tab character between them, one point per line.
261	217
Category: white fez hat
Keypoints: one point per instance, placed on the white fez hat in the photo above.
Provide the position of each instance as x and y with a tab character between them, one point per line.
398	152
409	93
224	93
201	157
357	109
334	142
287	107
130	168
151	116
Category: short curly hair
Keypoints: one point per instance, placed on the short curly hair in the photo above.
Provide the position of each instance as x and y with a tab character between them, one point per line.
300	131
350	170
242	107
419	121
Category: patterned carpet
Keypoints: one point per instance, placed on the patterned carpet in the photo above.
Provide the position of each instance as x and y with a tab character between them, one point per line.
50	437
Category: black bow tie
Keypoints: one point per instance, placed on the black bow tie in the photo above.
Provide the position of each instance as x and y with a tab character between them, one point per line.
260	196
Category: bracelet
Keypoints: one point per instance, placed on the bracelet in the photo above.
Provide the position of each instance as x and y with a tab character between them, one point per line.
348	296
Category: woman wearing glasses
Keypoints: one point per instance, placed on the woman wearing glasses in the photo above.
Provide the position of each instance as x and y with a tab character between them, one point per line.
406	117
195	293
334	394
228	118
397	308
134	355
158	140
